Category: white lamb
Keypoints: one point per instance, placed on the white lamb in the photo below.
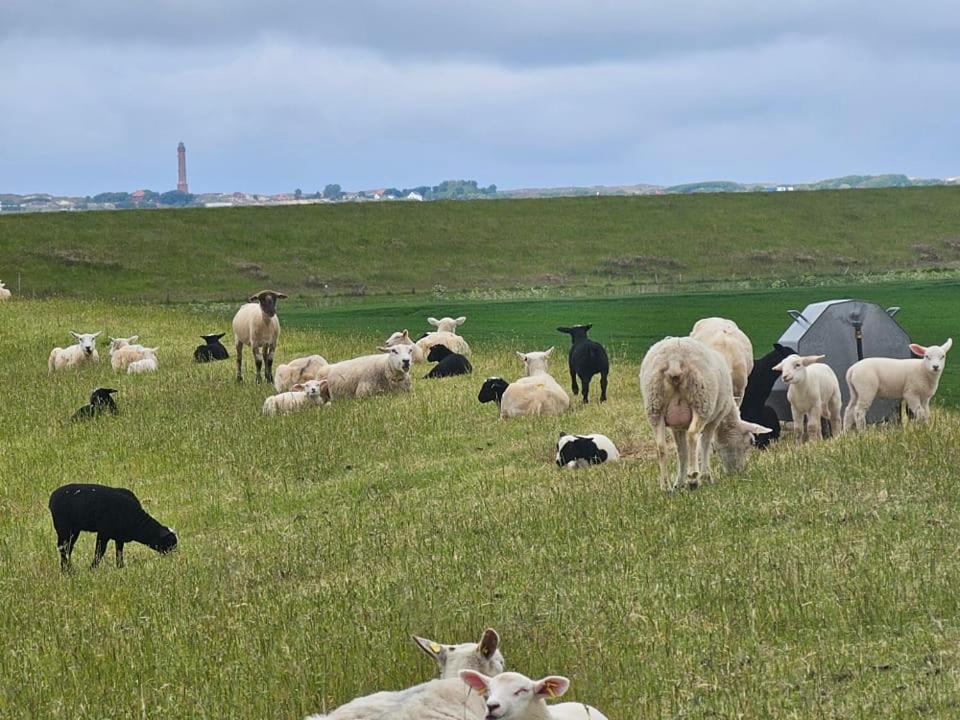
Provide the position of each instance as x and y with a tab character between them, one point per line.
124	351
403	338
445	334
512	696
4	292
301	396
535	394
148	363
813	391
84	351
729	340
371	374
687	387
914	380
312	367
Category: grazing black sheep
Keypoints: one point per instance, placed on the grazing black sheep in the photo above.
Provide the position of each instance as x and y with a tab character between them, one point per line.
492	389
100	402
112	513
448	362
587	358
213	350
759	384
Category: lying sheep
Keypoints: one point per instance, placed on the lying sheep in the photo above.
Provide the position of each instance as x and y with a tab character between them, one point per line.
119	342
312	393
512	696
484	655
256	324
759	384
112	513
448	362
84	351
148	363
124	351
402	337
813	391
312	367
445	334
4	292
212	350
687	387
729	340
587	358
580	451
100	402
914	380
535	394
492	390
371	374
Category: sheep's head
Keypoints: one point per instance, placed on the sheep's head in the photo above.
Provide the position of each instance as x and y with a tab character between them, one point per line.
934	356
535	362
117	343
492	389
399	338
793	368
447	324
268	301
87	341
166	542
318	390
213	339
401	357
483	656
576	332
101	396
734	440
509	695
439	352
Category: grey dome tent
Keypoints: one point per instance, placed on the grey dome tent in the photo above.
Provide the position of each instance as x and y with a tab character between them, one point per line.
845	331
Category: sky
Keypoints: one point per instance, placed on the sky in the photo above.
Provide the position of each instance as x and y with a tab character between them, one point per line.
273	96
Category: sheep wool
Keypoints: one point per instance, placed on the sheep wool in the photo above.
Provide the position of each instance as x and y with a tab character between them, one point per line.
256	324
84	351
312	367
731	342
813	391
535	394
388	372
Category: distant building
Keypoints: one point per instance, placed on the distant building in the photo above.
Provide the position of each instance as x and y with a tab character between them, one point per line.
182	168
414	195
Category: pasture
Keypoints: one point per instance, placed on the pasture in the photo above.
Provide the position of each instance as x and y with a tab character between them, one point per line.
821	583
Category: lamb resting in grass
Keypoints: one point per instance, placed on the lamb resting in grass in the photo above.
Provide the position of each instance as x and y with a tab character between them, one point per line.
537	393
388	372
445	334
914	380
512	696
84	351
813	391
448	363
587	358
112	513
4	292
729	340
312	393
580	451
211	350
754	407
687	388
147	364
256	324
312	367
100	402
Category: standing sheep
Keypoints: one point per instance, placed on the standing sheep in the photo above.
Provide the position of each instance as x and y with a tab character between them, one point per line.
301	396
587	358
256	324
371	374
914	380
445	334
4	292
535	394
448	362
212	350
754	407
813	391
100	402
512	696
686	387
312	367
85	350
112	513
729	340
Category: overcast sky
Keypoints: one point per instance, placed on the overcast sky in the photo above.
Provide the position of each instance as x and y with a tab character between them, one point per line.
271	96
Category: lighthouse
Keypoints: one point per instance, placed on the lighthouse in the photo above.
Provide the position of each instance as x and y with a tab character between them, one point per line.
181	168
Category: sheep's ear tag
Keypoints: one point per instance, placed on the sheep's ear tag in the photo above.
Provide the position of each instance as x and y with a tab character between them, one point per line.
435	647
549	689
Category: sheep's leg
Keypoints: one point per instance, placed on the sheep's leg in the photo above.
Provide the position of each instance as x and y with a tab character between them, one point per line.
573	380
693	434
660	434
682	455
814	429
99	549
585	382
65	543
798	424
915	405
268	361
239	361
706	445
603	387
258	360
119	553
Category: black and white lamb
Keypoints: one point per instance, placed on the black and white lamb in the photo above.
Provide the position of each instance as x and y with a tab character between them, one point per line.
100	402
759	384
448	362
492	390
587	358
112	513
578	451
213	350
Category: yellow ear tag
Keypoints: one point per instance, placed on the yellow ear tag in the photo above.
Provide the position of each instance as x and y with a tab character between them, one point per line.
435	647
550	690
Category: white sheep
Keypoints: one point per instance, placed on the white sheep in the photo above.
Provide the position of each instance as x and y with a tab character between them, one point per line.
813	391
4	292
914	380
256	324
148	363
124	351
513	696
537	393
301	396
371	374
687	387
84	350
445	334
402	337
729	340
311	367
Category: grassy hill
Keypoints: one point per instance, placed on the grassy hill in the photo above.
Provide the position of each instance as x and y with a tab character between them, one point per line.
569	244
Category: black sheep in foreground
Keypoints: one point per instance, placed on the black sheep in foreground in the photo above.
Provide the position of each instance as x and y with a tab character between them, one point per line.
492	389
213	350
448	362
587	358
112	513
759	384
100	402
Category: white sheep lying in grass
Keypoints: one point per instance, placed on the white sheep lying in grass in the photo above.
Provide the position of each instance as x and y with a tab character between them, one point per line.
445	334
371	374
148	363
312	367
512	696
813	391
914	380
729	340
4	292
301	396
84	351
402	337
388	704
535	394
687	387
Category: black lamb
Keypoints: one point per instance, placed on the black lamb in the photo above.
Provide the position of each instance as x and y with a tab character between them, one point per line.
213	350
448	362
587	358
100	402
759	384
492	389
112	513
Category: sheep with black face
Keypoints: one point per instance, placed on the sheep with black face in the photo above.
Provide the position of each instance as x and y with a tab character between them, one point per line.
448	362
256	324
492	390
578	451
586	359
100	402
212	350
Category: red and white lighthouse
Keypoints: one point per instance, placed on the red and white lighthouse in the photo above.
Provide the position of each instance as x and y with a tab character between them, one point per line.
182	168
